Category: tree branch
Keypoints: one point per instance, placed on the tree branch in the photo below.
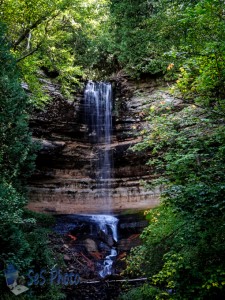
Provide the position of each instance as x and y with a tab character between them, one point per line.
28	54
26	33
33	26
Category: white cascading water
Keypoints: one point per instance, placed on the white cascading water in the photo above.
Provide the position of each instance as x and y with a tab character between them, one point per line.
108	263
98	112
105	222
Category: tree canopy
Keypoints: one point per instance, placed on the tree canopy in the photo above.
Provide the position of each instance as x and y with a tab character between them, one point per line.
53	36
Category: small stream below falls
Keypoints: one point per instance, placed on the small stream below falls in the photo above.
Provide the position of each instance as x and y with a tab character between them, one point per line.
94	234
99	242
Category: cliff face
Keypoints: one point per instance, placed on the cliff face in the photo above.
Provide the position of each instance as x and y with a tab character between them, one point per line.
64	181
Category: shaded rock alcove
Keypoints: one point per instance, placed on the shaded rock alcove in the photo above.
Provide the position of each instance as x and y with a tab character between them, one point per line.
64	181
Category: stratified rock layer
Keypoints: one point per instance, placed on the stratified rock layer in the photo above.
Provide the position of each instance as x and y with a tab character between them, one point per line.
64	181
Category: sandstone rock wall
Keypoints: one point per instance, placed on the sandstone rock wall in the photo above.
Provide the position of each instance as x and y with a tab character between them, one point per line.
64	181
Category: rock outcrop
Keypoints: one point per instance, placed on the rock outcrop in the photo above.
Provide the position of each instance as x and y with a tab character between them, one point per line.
64	181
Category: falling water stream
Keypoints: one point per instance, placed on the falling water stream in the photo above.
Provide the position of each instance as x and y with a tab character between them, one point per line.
98	112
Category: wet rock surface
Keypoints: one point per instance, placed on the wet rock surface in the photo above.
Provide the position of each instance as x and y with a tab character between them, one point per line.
84	250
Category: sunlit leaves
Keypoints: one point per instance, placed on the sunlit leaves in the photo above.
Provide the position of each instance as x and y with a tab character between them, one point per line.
54	34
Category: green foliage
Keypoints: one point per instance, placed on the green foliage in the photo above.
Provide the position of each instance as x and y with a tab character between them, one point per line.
16	157
185	239
16	146
141	37
202	72
12	297
183	246
162	36
23	242
11	204
141	293
135	43
54	35
43	220
42	257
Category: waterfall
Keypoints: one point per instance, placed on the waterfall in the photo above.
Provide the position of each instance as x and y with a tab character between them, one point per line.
98	112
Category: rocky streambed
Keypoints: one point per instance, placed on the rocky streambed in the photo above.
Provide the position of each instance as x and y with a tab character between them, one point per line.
95	247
